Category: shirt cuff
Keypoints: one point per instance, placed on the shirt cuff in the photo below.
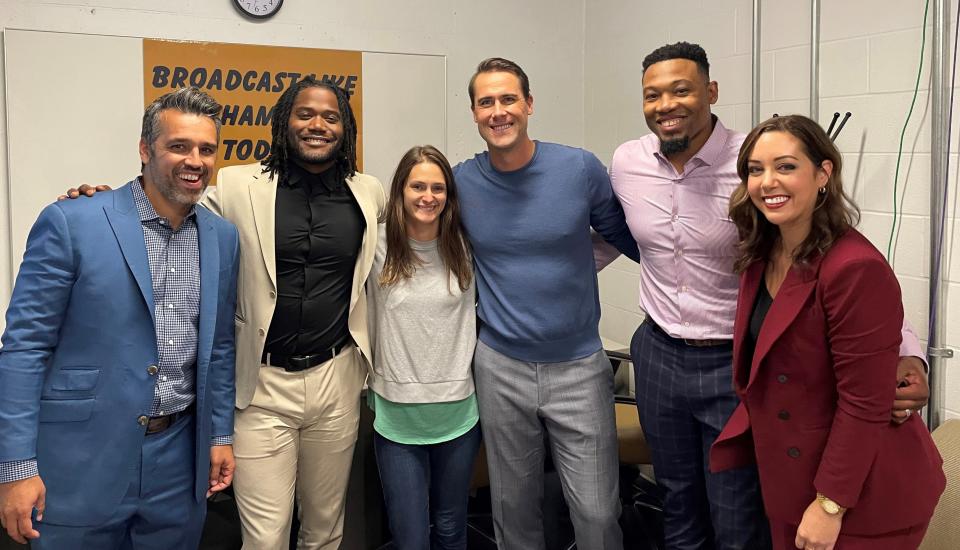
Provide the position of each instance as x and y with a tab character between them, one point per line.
910	345
221	440
17	470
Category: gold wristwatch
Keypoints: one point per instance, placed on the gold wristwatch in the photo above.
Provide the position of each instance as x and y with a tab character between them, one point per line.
829	506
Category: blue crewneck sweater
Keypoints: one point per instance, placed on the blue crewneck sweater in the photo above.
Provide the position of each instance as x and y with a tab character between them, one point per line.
530	233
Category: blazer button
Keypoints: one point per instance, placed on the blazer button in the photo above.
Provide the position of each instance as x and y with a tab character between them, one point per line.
793	452
273	294
261	332
142	420
783	415
152	369
782	378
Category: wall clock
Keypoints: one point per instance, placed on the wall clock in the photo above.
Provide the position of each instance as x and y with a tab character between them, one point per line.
259	9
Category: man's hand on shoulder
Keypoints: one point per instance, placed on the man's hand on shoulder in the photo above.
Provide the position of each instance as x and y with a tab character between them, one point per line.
222	466
913	389
17	501
85	189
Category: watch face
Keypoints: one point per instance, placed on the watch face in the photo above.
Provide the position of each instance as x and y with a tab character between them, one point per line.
828	505
259	8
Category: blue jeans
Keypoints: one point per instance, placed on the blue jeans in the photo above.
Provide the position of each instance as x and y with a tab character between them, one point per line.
424	485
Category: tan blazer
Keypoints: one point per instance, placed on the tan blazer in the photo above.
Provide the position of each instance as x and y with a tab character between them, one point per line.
246	196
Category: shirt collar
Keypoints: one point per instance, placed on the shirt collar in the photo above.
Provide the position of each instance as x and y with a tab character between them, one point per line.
710	152
299	176
711	149
145	208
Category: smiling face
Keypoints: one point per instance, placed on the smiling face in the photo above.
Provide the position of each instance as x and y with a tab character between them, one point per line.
424	197
783	183
501	110
315	131
179	163
676	105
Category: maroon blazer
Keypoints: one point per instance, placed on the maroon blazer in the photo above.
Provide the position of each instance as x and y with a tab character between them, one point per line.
815	399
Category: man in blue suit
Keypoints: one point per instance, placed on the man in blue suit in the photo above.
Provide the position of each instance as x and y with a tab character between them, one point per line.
117	366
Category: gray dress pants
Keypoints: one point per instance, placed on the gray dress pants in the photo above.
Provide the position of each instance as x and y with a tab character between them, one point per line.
572	402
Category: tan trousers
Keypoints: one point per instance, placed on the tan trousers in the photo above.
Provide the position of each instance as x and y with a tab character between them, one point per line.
296	438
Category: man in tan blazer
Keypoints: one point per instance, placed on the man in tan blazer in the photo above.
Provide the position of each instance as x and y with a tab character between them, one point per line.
307	222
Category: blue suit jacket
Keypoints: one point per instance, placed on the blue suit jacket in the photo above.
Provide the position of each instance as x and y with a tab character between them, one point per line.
79	338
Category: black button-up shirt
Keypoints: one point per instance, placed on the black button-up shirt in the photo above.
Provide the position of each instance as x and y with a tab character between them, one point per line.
319	229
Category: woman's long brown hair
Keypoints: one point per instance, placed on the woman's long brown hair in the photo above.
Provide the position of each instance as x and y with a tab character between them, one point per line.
401	261
833	214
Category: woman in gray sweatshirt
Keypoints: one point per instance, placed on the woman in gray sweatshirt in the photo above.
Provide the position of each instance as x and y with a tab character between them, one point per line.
422	320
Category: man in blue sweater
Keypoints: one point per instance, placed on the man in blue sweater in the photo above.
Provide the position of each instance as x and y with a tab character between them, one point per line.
540	369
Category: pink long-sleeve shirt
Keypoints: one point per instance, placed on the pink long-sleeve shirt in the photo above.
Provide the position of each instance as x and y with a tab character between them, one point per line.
686	239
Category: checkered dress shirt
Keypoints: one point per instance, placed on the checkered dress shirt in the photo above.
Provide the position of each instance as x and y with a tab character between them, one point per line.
174	257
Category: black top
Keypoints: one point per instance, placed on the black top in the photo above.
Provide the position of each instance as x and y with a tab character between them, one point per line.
760	308
319	228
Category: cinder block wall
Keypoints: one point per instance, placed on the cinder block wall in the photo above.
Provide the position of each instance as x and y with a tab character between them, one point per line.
869	56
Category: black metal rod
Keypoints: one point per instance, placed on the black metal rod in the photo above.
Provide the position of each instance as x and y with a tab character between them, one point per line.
839	128
833	123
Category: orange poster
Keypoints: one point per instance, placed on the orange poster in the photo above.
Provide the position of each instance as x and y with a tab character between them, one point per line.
247	80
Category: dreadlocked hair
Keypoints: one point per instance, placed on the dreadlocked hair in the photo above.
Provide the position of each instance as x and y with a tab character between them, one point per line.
277	162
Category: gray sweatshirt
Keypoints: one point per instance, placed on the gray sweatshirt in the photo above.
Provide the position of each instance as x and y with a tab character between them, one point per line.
423	331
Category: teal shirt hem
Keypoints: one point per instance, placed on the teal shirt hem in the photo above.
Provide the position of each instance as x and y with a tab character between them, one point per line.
423	423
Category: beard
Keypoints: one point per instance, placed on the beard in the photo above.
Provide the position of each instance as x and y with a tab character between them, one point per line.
300	154
170	191
166	184
673	146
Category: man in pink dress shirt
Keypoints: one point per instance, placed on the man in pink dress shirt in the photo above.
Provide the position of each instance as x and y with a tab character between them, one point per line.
675	185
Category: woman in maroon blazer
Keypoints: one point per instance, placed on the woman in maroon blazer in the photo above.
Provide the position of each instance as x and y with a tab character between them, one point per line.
815	351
